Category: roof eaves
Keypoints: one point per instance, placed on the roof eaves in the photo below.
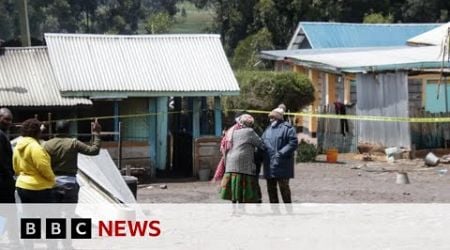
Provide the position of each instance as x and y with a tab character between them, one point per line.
418	66
110	36
315	65
124	95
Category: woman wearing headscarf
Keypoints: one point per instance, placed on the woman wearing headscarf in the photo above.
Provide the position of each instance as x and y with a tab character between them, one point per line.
31	164
225	145
281	142
240	183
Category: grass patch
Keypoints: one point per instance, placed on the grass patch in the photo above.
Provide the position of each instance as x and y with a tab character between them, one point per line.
195	20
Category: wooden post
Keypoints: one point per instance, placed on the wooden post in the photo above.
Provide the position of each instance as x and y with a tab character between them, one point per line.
314	77
49	120
161	135
119	145
195	129
331	88
152	134
196	118
116	119
74	126
24	24
217	116
347	90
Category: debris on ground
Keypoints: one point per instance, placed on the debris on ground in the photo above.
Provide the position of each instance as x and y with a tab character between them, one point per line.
442	172
163	186
367	157
445	159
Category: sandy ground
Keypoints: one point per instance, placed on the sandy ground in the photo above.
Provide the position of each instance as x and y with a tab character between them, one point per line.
348	181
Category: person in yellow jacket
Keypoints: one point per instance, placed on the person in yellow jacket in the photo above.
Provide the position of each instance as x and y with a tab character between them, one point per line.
32	165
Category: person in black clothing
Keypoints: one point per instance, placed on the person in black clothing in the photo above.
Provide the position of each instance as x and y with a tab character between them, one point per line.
7	183
340	109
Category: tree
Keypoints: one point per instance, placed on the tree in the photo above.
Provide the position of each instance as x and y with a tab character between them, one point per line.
378	18
235	20
9	27
246	55
159	23
118	17
422	11
86	16
265	90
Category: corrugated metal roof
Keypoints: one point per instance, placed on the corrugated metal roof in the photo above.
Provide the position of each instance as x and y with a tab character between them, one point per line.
433	37
143	64
27	79
372	59
345	35
284	54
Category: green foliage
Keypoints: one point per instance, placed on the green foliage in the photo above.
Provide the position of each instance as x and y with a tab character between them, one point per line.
194	21
246	55
82	16
159	23
265	90
417	10
378	18
235	20
306	152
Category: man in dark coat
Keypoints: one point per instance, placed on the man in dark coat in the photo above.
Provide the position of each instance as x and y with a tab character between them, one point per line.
281	142
7	183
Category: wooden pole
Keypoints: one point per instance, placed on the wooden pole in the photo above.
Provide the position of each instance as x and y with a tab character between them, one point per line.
24	24
217	116
119	157
49	125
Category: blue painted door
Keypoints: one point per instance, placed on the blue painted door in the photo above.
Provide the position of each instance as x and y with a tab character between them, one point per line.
434	104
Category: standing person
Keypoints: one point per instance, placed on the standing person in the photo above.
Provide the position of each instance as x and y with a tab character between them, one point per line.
225	145
31	164
64	158
239	184
281	142
7	183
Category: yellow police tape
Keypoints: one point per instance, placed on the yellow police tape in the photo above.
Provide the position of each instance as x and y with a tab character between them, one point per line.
303	114
357	117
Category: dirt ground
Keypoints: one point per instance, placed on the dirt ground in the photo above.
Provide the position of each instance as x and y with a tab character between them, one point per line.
348	181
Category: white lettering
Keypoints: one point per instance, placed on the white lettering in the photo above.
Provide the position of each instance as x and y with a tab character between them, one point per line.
31	228
56	228
78	229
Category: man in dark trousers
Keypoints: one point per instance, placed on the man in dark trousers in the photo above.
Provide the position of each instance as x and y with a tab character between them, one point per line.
7	183
281	142
64	151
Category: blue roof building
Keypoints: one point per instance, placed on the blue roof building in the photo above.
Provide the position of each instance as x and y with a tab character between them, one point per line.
320	35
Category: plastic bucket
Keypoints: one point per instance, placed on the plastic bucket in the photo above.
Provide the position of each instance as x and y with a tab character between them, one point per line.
392	153
131	183
431	159
402	178
203	174
332	155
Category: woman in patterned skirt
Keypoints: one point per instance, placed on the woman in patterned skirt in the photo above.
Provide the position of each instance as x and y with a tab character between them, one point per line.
240	183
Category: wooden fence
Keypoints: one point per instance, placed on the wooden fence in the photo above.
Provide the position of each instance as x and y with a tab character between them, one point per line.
330	133
430	135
